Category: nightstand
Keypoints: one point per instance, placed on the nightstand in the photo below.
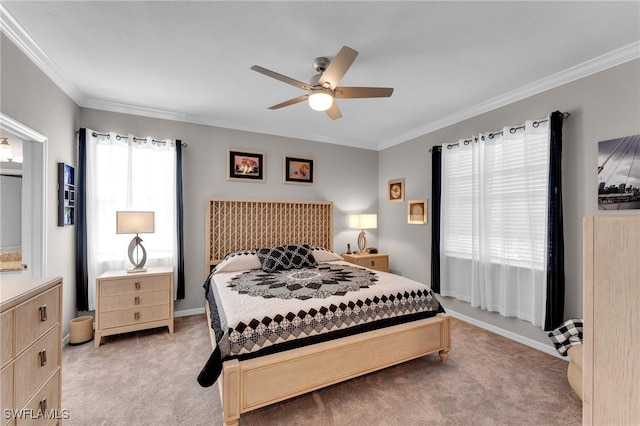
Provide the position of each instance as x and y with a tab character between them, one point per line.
378	261
133	301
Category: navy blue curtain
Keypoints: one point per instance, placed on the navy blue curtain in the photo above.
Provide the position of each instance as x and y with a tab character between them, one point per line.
82	281
555	236
180	220
436	178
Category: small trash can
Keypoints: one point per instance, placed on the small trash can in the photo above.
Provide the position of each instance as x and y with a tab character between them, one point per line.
81	330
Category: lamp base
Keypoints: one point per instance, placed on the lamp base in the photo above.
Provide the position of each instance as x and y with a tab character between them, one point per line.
362	242
134	270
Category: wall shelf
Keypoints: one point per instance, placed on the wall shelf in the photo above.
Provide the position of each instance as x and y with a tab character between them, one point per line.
66	194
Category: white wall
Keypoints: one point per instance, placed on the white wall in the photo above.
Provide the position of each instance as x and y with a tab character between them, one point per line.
347	176
603	106
31	98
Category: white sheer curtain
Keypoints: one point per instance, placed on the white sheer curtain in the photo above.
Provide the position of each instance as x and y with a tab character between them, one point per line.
128	173
494	221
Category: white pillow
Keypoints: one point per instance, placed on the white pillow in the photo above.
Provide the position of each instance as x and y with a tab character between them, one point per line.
324	255
239	261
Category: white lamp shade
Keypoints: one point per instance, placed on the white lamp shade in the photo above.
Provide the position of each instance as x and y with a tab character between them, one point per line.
135	222
320	100
363	221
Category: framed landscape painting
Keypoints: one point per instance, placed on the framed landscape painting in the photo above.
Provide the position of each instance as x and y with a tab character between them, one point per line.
245	165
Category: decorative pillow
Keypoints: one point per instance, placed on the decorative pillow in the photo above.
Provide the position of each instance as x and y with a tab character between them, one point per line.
300	256
324	255
274	258
239	261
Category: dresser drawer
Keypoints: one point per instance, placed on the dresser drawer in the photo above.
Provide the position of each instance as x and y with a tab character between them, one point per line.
35	317
6	328
133	316
134	285
6	386
29	371
132	300
46	399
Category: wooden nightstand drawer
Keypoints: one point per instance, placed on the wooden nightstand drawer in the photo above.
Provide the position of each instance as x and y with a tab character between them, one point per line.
132	300
37	363
133	316
36	317
379	262
135	285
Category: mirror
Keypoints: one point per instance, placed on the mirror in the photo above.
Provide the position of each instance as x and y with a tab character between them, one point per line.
10	203
23	217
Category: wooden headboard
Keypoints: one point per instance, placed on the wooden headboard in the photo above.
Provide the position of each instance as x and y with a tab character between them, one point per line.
235	224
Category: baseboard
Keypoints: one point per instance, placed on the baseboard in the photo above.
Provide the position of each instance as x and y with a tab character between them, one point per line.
65	340
189	312
508	334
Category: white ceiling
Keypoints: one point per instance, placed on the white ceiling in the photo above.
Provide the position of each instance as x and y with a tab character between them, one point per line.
190	60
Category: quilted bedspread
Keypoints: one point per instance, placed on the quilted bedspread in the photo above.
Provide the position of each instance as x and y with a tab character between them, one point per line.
255	313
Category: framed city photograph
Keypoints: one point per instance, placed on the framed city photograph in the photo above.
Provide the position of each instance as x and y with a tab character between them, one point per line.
417	212
396	190
298	170
245	165
619	173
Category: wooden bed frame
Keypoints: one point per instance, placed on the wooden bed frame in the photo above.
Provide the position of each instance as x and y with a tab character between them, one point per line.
234	225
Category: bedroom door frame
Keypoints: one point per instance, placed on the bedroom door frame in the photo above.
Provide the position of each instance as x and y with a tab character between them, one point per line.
34	172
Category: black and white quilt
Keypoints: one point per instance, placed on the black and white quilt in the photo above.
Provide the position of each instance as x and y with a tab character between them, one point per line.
255	313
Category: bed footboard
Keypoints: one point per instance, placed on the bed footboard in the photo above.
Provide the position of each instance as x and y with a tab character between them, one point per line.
254	383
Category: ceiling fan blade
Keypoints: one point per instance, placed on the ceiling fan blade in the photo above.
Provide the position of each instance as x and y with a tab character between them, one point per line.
290	102
362	92
338	67
281	77
334	111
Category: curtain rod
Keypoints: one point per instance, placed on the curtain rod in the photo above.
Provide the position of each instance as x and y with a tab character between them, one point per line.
118	137
512	130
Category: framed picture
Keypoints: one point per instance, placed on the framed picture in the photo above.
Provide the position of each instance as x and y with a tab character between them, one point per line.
245	165
619	173
417	211
396	190
298	170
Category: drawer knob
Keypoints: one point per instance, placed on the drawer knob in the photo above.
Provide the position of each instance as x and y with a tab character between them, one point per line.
43	313
137	285
136	300
42	356
136	316
43	405
372	263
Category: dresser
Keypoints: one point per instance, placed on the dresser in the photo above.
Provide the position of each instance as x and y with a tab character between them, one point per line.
133	301
378	261
31	354
611	309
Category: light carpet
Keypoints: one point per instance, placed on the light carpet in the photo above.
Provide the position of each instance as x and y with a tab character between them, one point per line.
149	378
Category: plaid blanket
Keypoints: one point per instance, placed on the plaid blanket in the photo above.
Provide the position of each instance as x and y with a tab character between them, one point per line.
567	335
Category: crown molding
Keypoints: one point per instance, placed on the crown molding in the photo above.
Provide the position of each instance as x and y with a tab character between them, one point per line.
17	34
119	107
29	47
608	60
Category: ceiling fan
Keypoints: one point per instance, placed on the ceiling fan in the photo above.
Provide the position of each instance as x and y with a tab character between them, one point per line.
323	87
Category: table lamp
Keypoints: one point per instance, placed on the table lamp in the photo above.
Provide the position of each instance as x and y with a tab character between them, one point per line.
128	222
362	222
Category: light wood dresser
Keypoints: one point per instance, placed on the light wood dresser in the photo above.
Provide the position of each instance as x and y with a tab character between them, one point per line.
611	298
133	301
31	354
378	261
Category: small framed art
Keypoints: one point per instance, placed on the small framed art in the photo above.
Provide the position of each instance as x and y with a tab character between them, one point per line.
245	165
298	170
417	212
396	190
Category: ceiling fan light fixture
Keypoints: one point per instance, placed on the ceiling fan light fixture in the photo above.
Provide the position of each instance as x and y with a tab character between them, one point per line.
320	100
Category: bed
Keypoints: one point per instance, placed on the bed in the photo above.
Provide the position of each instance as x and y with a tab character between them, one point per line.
256	370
